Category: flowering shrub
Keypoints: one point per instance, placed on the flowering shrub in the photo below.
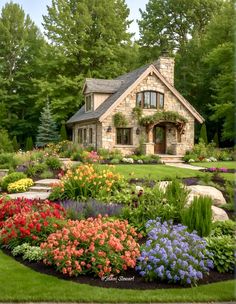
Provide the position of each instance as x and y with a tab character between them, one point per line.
31	223
90	157
94	246
21	185
87	181
172	254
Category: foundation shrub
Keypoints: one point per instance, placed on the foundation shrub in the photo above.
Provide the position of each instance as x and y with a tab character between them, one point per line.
198	216
173	254
11	178
222	249
21	185
94	246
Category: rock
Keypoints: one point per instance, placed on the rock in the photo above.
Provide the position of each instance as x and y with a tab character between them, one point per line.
163	184
215	194
218	214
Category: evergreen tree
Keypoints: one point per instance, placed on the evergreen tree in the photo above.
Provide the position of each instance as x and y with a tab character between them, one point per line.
15	144
63	132
47	130
216	139
203	134
29	144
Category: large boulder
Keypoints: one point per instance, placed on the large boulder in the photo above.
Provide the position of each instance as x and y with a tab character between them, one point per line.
218	214
215	194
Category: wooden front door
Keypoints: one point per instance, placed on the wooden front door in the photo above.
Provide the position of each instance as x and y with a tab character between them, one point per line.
159	139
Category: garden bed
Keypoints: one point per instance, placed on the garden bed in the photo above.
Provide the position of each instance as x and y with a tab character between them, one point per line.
128	280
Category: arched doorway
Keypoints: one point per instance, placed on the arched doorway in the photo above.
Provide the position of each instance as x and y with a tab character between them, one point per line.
159	139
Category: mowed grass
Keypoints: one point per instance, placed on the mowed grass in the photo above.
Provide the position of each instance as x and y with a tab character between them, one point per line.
156	172
219	164
19	283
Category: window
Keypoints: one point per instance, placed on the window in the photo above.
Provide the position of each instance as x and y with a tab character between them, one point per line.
90	135
150	100
80	136
85	135
88	103
123	136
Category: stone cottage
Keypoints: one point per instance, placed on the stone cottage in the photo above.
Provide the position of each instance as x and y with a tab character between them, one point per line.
138	109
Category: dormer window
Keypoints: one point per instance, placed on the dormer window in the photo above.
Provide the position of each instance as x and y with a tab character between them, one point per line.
150	100
88	102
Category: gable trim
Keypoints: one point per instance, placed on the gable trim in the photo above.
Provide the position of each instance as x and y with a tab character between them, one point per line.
152	69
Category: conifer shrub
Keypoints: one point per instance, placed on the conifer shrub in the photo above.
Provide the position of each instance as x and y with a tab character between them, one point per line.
29	144
203	134
199	216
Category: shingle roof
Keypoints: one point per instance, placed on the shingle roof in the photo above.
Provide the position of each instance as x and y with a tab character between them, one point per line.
93	85
126	81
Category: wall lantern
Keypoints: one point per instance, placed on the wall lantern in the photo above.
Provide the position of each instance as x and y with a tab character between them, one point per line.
169	130
109	129
137	131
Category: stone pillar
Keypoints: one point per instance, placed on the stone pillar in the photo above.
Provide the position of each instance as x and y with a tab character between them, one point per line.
148	148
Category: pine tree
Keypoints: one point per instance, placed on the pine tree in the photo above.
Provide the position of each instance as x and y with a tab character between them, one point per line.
63	132
29	144
203	134
47	130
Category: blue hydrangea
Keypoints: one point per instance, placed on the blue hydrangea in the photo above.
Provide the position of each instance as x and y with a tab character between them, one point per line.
173	254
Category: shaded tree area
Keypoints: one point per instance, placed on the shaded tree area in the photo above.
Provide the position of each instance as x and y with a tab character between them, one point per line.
85	39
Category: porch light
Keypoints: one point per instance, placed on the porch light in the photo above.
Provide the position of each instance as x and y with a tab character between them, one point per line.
137	131
109	129
169	130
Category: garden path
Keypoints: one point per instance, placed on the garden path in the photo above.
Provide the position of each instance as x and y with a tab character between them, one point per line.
185	166
41	190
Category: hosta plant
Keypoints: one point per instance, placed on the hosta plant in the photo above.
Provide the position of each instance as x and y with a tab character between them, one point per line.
173	254
94	246
28	252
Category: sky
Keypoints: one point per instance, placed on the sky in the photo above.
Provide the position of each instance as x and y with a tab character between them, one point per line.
37	8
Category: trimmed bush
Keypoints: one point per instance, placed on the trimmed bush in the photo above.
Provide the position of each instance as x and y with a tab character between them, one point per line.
11	178
53	162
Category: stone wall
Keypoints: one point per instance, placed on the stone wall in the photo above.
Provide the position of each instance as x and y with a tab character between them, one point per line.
171	103
96	131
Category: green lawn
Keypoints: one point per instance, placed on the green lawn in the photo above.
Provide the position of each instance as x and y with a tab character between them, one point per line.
219	164
19	283
157	172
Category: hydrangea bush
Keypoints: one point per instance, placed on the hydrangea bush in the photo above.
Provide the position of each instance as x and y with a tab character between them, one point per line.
173	254
93	246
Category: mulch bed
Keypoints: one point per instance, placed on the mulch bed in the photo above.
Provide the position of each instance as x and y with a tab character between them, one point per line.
129	280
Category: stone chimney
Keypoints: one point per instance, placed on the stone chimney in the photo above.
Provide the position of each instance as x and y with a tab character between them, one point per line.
166	66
